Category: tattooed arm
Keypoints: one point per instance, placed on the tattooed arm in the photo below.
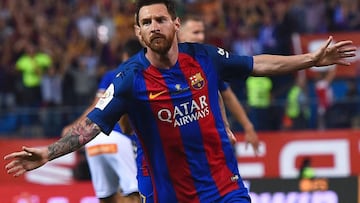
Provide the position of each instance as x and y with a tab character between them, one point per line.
32	158
80	134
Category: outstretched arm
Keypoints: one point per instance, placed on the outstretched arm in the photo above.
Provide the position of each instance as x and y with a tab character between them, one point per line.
265	65
32	158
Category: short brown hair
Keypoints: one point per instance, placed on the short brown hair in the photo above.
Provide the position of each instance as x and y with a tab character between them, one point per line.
170	5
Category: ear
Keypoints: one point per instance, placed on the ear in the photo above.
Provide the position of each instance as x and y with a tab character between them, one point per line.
138	35
177	23
138	32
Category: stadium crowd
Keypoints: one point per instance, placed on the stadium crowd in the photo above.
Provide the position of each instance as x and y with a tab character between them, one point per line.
52	54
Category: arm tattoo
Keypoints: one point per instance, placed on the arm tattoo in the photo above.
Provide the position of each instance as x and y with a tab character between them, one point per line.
80	134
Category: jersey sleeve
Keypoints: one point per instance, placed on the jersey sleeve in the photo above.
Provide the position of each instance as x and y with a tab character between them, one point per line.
106	80
230	66
113	103
223	85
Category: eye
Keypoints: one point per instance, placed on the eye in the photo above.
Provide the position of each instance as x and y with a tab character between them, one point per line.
161	20
145	22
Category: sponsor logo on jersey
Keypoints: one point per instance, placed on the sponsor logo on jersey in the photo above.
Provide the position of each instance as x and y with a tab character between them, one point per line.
120	74
197	81
186	112
179	89
154	95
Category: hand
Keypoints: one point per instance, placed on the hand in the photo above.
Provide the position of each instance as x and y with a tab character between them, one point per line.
231	136
252	138
26	160
335	54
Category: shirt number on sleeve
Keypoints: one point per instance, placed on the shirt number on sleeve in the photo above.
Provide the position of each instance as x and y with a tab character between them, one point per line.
222	52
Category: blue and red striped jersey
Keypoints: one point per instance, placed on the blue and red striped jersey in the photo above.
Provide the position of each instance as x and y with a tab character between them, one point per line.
177	117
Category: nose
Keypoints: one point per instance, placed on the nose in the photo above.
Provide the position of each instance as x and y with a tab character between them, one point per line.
155	27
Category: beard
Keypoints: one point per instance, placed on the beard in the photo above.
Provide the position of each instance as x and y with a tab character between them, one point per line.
159	43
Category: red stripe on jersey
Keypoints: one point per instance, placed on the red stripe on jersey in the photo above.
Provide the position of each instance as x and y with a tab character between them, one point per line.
174	152
221	174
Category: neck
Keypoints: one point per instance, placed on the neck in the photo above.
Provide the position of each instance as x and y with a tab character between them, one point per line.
166	60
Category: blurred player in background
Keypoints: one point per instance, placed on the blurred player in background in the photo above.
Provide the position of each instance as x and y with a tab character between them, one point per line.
111	158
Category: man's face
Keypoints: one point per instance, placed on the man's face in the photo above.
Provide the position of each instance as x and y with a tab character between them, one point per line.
192	31
156	28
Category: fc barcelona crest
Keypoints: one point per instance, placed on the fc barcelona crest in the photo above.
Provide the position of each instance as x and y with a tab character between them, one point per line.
197	81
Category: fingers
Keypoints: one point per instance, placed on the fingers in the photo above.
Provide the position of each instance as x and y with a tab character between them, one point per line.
252	138
256	149
11	165
328	42
29	151
343	62
255	146
15	167
346	51
17	155
347	55
343	43
232	139
17	171
20	172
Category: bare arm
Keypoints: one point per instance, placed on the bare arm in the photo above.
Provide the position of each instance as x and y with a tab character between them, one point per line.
80	134
326	55
125	125
32	158
223	112
234	106
237	110
226	122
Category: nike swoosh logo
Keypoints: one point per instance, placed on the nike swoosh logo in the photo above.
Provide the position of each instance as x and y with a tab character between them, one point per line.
153	96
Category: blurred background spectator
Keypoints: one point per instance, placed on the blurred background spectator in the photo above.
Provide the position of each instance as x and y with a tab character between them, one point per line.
259	101
325	95
297	108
